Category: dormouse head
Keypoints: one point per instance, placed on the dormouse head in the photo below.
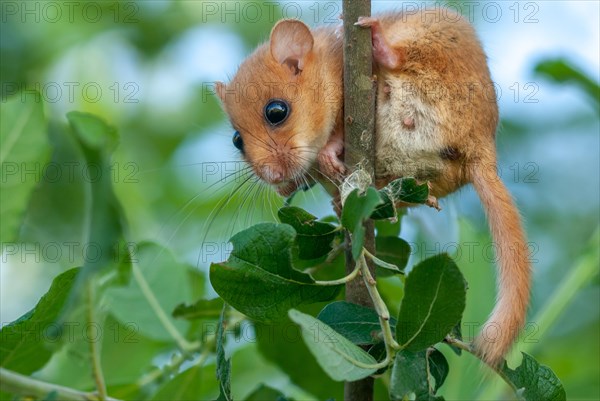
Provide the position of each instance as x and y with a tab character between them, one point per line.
279	118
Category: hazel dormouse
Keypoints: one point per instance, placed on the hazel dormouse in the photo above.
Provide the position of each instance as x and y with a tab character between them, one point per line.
436	120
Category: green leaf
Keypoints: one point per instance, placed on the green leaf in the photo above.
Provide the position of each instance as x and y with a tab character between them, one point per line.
357	323
23	149
61	203
223	364
378	352
340	358
392	250
281	344
185	386
202	309
438	367
405	190
434	300
171	282
357	209
411	375
265	393
23	348
126	252
389	227
563	71
93	132
313	237
97	140
259	280
71	365
534	381
125	339
251	368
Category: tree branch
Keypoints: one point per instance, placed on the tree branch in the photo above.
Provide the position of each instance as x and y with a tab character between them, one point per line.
359	145
94	346
15	383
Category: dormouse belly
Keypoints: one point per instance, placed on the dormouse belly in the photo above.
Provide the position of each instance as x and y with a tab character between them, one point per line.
408	135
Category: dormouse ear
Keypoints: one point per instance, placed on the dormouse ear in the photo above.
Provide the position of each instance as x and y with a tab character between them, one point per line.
220	90
291	41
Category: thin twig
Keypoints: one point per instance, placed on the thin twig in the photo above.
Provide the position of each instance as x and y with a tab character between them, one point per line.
94	346
468	348
382	263
16	383
380	307
184	345
342	280
207	348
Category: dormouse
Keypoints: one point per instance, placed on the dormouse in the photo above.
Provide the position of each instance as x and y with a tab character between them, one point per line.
436	121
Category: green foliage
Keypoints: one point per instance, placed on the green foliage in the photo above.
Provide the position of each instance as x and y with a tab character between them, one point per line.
413	373
185	386
405	190
98	140
167	202
264	393
562	71
260	281
341	359
433	303
24	146
223	363
533	381
24	348
313	237
357	209
281	344
357	323
438	367
179	285
201	309
392	250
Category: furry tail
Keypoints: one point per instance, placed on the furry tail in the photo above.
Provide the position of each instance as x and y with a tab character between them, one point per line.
514	269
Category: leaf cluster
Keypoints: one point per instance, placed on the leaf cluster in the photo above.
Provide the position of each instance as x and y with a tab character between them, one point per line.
268	279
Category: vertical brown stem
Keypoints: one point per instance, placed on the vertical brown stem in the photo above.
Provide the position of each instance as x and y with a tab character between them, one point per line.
359	124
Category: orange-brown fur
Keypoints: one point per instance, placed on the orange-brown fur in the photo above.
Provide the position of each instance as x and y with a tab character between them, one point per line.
436	120
293	146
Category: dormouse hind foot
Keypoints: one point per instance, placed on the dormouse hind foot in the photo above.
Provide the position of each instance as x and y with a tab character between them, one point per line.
383	53
432	200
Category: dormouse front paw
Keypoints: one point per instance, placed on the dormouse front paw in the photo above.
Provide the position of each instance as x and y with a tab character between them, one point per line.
330	164
328	159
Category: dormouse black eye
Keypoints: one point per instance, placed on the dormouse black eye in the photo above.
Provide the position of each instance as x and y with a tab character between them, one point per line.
276	111
237	141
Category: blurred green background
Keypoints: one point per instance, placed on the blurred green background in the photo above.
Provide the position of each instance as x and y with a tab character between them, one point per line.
146	67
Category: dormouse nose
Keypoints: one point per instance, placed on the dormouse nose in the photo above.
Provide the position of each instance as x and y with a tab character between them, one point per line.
272	173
